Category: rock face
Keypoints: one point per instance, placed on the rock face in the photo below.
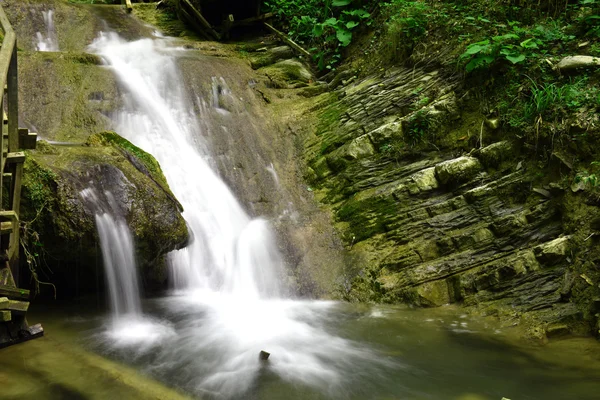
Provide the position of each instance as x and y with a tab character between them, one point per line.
54	207
432	218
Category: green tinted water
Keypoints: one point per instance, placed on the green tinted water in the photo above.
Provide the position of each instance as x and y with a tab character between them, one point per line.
425	354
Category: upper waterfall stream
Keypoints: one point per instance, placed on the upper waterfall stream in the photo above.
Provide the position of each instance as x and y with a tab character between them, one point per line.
47	41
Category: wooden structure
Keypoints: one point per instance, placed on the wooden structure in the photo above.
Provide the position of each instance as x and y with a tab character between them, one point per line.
14	302
215	18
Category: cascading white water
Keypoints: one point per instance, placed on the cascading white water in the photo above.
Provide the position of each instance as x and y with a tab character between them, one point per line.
49	40
229	304
118	255
128	325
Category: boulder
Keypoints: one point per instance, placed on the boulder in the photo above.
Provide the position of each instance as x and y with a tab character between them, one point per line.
553	251
494	154
575	62
53	207
288	74
458	170
270	56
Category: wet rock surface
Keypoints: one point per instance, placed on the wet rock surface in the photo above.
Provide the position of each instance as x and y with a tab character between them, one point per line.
129	181
440	218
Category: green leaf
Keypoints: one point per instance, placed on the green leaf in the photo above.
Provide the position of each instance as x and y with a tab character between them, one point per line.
515	59
505	37
530	44
318	29
344	36
341	3
330	22
477	48
352	24
479	62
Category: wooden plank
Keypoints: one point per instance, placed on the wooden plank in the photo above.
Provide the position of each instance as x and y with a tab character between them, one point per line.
289	41
15	157
14	293
33	332
8	215
27	140
6	278
128	6
3	303
250	21
6	228
18	307
13	103
5	316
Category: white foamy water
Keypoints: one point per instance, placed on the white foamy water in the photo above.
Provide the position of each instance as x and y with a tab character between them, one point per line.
127	325
229	305
48	40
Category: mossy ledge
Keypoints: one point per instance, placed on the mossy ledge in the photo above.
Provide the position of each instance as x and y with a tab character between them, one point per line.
54	178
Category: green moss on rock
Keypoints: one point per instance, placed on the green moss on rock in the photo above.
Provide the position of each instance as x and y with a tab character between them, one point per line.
55	176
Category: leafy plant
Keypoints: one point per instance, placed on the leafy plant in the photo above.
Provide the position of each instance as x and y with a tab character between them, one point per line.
327	26
417	128
501	47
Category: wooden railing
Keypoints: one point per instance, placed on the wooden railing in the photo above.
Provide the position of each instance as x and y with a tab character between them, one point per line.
14	302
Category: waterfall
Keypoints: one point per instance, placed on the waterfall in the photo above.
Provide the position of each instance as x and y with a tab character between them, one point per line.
229	252
49	41
229	303
118	255
128	324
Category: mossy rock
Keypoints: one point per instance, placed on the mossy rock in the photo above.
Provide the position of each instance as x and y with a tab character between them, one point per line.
288	74
66	96
54	178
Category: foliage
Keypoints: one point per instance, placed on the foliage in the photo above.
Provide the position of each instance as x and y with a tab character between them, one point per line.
407	23
326	26
417	128
507	47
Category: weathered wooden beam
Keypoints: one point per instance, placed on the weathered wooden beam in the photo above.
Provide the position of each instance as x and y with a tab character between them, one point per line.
27	140
5	316
18	307
6	228
289	41
6	278
250	21
128	6
13	249
18	157
3	303
14	293
8	215
13	103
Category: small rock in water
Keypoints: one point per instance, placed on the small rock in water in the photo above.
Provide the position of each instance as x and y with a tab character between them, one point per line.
263	355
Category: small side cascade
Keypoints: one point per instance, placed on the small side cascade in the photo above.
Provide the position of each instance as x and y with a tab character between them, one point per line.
117	248
49	40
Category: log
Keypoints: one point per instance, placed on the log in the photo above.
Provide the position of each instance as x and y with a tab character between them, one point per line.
289	41
252	20
14	293
198	16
